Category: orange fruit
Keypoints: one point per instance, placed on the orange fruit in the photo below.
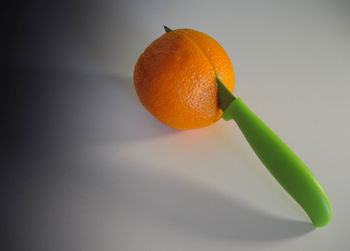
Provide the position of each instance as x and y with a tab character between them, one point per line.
175	78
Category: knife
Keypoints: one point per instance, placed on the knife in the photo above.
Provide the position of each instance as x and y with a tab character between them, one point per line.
278	158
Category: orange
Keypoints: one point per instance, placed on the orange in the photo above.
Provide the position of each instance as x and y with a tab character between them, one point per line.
175	78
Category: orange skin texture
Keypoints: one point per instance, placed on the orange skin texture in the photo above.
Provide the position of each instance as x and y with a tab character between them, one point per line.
175	78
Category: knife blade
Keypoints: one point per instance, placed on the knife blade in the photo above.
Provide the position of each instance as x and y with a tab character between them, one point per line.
225	96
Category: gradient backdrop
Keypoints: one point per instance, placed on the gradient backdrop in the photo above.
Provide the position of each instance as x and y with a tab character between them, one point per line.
88	168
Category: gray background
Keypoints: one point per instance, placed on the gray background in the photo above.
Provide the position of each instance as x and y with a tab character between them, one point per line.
91	169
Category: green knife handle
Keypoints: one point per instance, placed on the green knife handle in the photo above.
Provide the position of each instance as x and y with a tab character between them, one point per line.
283	163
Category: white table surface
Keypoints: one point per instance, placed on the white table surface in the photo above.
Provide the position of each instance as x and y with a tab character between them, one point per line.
93	170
